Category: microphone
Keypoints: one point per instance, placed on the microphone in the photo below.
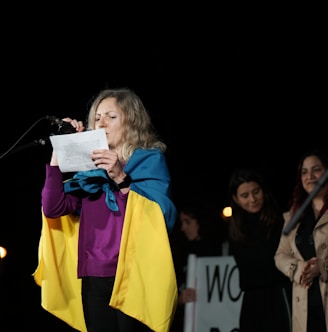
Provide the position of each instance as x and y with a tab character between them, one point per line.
63	126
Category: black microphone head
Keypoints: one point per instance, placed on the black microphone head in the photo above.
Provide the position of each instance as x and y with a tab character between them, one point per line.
66	128
63	126
54	120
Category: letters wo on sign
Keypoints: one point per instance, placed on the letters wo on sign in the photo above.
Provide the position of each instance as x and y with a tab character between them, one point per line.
219	297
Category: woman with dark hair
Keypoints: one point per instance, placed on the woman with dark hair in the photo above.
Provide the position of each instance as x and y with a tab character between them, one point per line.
254	233
302	254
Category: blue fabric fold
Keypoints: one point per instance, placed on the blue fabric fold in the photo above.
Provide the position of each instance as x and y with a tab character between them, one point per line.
93	181
150	178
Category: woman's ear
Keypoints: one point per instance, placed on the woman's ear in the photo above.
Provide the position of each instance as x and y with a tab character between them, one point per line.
234	197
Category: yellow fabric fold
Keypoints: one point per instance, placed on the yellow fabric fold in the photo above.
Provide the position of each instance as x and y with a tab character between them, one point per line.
145	284
56	272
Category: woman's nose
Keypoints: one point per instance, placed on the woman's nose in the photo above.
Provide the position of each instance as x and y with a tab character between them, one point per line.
102	122
253	198
311	175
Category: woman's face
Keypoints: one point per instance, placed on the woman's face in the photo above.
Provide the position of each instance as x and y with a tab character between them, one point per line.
189	226
110	117
249	197
312	171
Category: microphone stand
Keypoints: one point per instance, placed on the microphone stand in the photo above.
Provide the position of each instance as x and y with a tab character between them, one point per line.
36	142
39	142
308	200
63	128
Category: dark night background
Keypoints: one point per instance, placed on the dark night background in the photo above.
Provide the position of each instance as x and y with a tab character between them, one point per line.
226	87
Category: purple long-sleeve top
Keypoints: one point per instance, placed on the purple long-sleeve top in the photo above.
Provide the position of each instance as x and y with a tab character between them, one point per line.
100	228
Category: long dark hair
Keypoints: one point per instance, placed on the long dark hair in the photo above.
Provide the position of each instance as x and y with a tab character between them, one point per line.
299	194
270	213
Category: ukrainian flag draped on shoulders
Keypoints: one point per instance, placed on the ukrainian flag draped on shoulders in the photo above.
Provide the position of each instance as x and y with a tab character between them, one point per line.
145	283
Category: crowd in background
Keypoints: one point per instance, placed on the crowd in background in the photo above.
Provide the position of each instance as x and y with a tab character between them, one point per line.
283	276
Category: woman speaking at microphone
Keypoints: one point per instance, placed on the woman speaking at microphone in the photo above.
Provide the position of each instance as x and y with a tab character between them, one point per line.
105	263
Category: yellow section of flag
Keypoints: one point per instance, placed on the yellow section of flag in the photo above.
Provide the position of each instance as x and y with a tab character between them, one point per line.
56	272
145	284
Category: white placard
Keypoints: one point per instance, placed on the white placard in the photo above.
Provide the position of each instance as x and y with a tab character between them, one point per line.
219	297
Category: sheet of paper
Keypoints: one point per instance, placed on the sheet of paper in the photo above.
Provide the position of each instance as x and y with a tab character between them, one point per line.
74	150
